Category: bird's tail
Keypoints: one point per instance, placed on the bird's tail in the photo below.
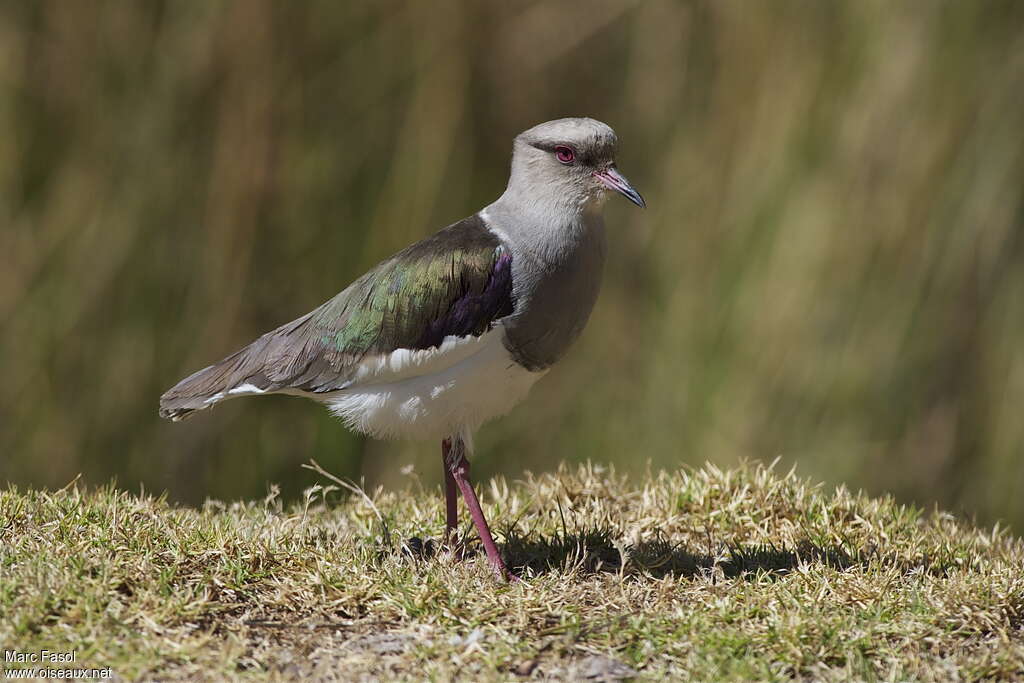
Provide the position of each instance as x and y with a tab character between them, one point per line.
278	361
220	381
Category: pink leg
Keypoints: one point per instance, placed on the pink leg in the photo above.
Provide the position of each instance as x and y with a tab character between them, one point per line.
451	501
458	467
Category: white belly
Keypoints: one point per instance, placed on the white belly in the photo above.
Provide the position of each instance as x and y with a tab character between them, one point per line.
435	393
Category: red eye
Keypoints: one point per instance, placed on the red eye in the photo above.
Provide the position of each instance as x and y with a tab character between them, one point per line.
564	154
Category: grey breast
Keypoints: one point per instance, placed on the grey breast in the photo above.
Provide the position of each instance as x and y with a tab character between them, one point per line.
554	291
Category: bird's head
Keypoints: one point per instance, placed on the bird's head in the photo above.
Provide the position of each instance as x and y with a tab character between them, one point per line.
572	159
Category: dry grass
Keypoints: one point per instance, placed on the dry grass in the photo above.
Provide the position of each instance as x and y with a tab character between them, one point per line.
708	574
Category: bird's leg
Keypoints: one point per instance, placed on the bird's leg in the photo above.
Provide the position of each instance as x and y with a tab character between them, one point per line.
458	467
451	501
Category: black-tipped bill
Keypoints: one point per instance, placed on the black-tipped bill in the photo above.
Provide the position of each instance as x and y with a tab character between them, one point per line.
613	180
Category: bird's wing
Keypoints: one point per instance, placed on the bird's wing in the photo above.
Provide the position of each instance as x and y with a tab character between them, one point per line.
394	321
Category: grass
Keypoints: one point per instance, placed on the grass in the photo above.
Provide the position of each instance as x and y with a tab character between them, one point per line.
743	574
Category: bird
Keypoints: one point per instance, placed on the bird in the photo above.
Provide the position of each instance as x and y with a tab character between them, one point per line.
455	329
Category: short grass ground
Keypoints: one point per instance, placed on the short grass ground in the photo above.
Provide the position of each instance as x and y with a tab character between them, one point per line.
745	574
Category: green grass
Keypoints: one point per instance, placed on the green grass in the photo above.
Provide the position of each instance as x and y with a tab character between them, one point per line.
743	574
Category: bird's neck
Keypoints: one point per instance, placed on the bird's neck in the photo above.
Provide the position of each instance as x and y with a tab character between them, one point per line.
544	224
558	257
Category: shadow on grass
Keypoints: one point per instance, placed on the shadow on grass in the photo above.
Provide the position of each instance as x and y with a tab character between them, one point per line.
594	551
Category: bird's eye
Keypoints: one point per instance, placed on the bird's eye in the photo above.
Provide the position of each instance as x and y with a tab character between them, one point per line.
565	154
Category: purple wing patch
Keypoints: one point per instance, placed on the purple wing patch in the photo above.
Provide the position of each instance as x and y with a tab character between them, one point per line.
474	313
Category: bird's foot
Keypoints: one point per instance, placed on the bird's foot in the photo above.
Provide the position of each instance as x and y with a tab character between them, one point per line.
501	570
420	549
509	576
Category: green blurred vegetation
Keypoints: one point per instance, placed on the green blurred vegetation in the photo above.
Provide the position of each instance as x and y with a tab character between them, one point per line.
831	269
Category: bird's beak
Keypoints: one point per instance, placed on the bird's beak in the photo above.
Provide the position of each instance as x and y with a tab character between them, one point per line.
613	180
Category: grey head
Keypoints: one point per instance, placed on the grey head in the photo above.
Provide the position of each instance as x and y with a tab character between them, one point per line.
568	163
550	216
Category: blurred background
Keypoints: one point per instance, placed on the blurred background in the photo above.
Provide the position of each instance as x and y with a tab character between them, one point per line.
831	270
